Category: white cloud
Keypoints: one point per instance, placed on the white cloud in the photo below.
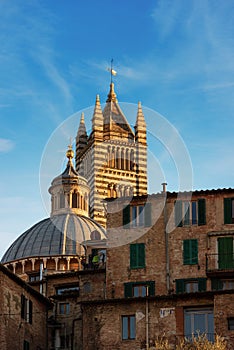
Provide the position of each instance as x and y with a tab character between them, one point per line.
6	145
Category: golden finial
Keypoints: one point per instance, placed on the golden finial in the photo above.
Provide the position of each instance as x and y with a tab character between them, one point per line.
70	152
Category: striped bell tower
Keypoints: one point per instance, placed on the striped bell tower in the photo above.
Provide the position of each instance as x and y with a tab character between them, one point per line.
113	158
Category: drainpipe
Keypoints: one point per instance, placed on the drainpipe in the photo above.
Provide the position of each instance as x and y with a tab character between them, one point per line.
164	191
147	318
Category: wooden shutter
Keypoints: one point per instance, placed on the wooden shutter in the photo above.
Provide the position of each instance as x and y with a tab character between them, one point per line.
186	251
201	211
126	216
141	254
216	284
227	204
178	213
180	285
201	284
151	288
128	290
23	306
147	213
133	256
190	252
225	250
30	310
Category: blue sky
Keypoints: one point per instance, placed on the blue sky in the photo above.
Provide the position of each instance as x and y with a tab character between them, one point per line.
177	57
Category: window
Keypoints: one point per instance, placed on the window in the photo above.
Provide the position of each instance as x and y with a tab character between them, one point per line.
190	252
190	213
137	216
139	289
64	308
190	285
199	321
26	345
34	277
66	290
231	323
26	309
225	253
221	284
87	287
228	205
128	327
137	256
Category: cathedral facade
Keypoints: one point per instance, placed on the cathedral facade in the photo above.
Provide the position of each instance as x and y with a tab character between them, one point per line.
113	158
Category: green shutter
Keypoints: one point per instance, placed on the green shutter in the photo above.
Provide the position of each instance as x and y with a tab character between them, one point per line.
126	216
147	213
216	284
201	211
180	286
225	251
227	203
151	288
194	251
190	252
178	213
186	251
201	284
127	290
133	256
141	255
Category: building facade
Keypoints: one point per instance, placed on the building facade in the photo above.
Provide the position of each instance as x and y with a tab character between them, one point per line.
24	313
164	266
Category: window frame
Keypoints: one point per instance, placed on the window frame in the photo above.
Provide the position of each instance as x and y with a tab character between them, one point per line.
137	215
64	308
129	288
181	284
131	322
190	212
26	309
206	322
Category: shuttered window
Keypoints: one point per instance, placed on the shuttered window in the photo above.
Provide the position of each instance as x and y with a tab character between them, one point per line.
190	251
137	216
137	255
182	285
139	289
228	205
190	213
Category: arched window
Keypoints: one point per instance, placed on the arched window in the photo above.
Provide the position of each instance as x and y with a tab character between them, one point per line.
61	200
132	160
127	160
122	160
74	200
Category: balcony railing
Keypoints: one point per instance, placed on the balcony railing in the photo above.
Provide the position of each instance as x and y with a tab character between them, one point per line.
219	262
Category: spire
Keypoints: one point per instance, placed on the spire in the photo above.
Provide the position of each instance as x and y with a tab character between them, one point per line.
140	121
140	127
81	137
97	120
112	95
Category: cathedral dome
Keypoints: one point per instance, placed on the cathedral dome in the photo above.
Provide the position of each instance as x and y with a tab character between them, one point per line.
59	235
